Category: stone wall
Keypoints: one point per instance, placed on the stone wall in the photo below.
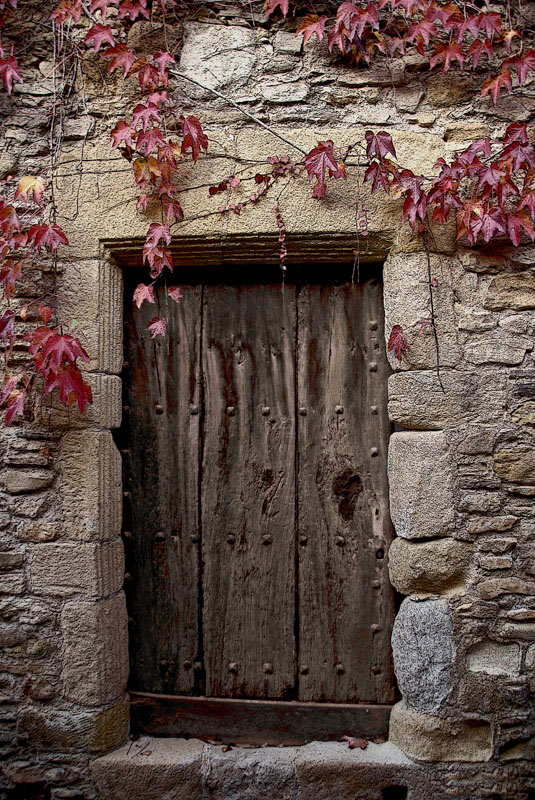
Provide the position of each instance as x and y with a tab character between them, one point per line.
461	463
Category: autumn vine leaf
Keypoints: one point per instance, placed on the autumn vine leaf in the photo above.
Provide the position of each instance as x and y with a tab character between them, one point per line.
49	236
157	327
321	161
175	293
496	84
10	73
193	137
143	294
379	144
99	34
312	25
396	342
271	5
29	187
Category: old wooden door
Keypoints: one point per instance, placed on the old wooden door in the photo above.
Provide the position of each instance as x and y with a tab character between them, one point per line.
254	442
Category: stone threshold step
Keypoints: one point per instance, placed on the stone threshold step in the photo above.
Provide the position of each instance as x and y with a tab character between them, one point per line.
180	769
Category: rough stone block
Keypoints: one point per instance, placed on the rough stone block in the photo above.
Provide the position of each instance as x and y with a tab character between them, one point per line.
491	524
480	502
423	649
514	290
516	323
495	587
497	347
466	131
12	582
497	545
217	56
420	478
480	440
495	562
525	415
519	630
23	481
90	485
429	738
516	464
431	567
494	658
38	531
171	768
283	93
95	655
476	321
406	299
287	43
89	731
10	560
417	400
77	568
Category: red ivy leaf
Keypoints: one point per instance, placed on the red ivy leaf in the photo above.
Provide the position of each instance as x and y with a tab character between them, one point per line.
72	387
311	26
162	58
379	144
9	72
49	236
396	342
15	406
496	84
157	327
194	137
119	56
99	34
122	133
175	293
145	114
143	293
446	53
7	327
271	5
45	312
523	64
379	175
52	349
321	160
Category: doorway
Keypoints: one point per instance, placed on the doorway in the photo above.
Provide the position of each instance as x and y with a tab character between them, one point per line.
256	516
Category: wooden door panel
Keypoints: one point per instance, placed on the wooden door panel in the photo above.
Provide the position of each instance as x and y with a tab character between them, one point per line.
161	433
345	603
248	490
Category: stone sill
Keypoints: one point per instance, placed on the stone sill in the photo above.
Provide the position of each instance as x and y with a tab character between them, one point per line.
180	769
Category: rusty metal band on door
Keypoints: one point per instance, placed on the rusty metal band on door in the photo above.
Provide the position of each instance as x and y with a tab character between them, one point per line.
255	440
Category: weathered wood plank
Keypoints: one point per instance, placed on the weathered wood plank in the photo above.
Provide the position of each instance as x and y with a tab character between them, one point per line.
248	490
255	722
345	601
161	436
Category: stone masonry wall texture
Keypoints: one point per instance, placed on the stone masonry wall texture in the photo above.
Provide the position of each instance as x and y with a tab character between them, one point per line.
461	462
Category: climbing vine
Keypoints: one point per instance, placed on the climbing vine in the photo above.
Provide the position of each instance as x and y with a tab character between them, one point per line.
489	187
